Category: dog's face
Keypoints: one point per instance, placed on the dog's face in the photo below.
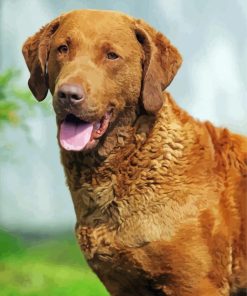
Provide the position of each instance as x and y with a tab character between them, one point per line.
96	64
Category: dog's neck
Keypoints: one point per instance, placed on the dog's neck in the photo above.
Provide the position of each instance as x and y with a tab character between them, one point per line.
130	128
99	178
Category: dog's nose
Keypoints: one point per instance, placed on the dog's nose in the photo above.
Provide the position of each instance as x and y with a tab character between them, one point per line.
70	92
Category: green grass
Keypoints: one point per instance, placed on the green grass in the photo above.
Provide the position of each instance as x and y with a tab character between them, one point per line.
44	267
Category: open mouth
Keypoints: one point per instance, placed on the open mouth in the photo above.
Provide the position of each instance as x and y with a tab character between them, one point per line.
76	134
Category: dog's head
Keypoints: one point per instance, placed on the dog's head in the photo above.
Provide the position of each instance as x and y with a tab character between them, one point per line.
96	64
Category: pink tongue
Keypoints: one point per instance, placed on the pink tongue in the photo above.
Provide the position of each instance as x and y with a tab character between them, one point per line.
75	135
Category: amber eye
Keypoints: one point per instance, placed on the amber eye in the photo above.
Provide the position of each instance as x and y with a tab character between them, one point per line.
63	48
112	56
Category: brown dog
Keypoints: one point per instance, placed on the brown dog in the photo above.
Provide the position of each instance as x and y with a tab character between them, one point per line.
160	197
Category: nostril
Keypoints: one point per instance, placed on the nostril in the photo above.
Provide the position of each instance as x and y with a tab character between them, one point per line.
61	95
76	96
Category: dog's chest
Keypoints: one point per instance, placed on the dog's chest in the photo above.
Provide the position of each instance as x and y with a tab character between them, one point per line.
111	214
111	260
96	241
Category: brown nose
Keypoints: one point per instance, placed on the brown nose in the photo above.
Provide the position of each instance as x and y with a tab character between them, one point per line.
70	92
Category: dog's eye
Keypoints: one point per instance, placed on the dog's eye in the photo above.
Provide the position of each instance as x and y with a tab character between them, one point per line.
112	56
63	48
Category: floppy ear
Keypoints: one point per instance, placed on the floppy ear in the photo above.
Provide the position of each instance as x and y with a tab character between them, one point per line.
35	51
161	62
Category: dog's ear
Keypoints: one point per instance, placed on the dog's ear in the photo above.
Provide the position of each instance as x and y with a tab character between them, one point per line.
35	51
161	63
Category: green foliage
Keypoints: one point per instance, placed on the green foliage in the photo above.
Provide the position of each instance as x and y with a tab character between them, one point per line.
16	104
45	267
9	244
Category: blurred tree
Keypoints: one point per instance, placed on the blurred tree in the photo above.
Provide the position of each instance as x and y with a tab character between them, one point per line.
1	28
16	104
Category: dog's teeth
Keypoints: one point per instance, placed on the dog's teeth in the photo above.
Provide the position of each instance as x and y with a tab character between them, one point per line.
97	126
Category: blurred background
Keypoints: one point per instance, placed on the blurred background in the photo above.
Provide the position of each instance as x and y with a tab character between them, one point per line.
38	253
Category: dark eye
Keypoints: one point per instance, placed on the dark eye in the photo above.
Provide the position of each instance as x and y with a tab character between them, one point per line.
112	56
63	48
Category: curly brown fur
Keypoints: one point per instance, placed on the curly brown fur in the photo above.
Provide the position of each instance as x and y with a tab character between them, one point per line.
160	199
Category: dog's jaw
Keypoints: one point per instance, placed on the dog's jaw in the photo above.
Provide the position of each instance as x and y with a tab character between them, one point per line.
78	135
